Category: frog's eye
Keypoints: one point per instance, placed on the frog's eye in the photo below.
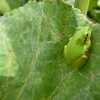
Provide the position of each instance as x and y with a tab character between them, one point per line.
86	38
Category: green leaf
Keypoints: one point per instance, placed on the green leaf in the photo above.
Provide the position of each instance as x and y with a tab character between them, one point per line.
16	3
32	66
8	5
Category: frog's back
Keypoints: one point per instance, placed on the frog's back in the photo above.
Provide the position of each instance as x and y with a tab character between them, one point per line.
74	50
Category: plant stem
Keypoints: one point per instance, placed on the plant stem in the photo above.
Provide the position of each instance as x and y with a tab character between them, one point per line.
82	5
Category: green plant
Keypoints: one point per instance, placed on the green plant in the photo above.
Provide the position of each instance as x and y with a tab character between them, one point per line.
32	66
83	5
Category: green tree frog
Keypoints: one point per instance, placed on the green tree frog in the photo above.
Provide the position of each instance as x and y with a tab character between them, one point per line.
76	51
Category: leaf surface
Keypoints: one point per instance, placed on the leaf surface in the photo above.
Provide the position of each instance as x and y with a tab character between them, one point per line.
32	66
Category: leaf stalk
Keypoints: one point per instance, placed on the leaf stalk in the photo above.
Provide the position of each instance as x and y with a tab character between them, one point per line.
83	5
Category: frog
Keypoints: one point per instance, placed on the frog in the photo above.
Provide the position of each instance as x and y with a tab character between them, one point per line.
76	52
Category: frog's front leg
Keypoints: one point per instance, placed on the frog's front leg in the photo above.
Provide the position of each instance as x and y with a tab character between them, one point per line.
87	46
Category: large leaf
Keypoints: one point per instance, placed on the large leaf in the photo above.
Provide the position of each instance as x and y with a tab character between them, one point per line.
32	66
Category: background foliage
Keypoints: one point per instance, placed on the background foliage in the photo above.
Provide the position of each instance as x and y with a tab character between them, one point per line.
32	66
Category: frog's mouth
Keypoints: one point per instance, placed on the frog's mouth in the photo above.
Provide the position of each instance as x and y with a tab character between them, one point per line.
88	35
85	40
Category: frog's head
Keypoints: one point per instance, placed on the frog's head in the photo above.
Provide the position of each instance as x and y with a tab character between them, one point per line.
87	35
87	42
